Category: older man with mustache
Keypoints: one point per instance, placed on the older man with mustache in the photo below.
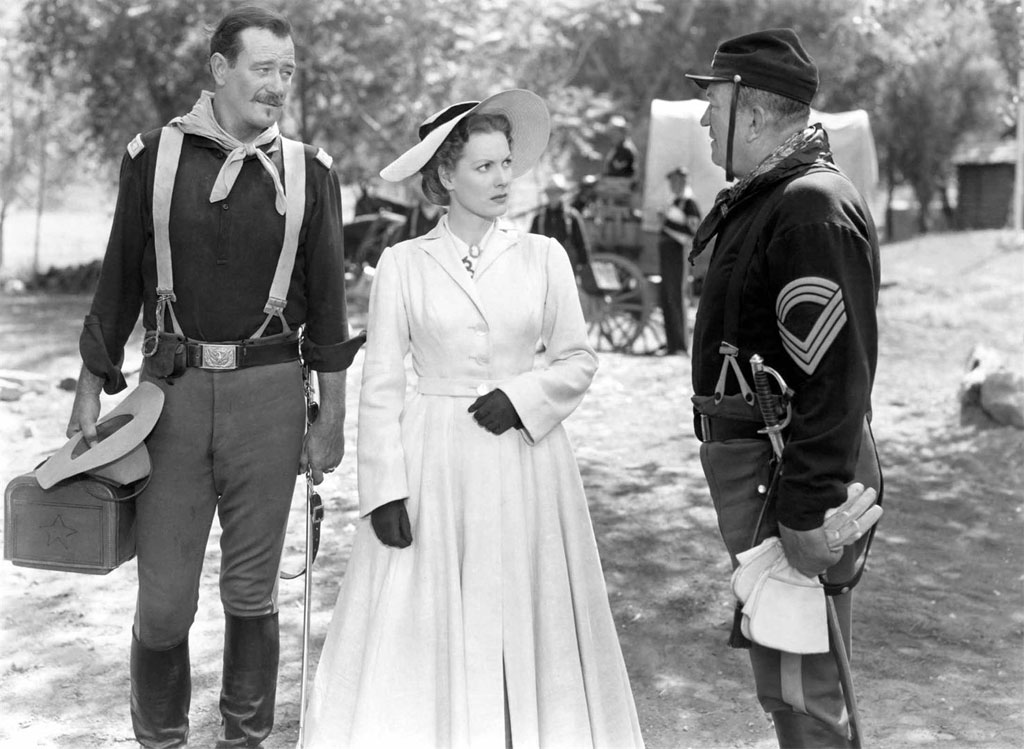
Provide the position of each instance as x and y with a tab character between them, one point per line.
228	238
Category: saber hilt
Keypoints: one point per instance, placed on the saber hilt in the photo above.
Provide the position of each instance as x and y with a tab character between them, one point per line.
776	410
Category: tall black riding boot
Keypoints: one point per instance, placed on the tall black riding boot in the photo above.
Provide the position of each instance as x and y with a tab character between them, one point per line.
801	731
161	694
249	690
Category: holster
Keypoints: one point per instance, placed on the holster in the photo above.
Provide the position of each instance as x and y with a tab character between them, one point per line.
165	354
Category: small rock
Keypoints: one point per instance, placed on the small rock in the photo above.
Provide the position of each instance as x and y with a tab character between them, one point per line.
990	394
10	391
1002	397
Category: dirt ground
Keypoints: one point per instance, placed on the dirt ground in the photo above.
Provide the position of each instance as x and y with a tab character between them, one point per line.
940	615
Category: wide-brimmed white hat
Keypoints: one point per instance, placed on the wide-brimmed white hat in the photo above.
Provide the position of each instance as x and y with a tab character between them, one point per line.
531	127
119	454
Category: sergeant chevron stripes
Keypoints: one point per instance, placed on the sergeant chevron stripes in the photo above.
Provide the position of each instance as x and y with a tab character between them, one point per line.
809	351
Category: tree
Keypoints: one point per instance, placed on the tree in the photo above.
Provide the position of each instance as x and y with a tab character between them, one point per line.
939	82
136	64
371	70
17	110
1007	20
38	126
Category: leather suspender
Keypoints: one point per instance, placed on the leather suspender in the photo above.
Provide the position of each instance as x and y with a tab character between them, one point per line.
167	158
295	192
167	155
731	325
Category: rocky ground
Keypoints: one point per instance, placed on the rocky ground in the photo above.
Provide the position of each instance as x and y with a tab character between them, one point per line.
940	615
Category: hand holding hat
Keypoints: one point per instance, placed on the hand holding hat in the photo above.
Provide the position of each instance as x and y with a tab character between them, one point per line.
814	551
783	609
119	453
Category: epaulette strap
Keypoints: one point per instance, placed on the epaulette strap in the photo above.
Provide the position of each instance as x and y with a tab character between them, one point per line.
324	158
136	146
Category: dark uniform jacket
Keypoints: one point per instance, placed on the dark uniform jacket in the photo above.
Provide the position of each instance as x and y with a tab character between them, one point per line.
807	306
223	256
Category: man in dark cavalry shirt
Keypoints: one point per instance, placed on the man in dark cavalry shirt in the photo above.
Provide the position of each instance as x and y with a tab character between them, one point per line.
794	278
227	250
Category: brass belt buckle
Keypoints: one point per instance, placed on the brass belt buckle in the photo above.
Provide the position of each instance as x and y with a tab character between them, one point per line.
219	356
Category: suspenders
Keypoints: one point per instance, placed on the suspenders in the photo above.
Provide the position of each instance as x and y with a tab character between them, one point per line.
167	157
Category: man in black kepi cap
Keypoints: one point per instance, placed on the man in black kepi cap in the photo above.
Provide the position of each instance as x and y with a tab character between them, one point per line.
793	279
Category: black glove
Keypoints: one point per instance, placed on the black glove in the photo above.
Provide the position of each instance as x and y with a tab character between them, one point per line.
391	524
495	412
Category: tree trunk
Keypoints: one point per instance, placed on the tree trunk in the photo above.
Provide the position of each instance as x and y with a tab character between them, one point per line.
41	194
890	179
924	195
3	220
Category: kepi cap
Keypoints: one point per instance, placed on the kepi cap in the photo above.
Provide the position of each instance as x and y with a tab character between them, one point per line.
531	128
119	454
679	171
772	60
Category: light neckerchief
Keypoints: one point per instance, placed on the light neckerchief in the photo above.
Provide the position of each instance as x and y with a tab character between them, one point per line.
799	150
470	252
201	121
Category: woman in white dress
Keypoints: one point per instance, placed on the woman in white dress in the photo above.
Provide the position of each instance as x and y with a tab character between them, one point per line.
473	612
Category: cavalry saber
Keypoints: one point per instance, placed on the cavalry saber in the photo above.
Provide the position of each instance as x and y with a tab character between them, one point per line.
314	515
768	403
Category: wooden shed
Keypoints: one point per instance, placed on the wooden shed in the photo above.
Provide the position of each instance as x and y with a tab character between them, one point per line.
985	175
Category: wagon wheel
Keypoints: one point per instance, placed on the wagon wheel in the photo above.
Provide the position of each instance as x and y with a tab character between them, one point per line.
651	337
617	308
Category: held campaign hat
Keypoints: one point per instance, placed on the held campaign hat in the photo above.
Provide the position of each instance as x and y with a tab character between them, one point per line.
119	454
531	127
772	60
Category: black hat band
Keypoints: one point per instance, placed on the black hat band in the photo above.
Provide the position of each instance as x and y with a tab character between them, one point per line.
446	116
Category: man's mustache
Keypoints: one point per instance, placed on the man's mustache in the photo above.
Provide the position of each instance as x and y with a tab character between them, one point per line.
271	101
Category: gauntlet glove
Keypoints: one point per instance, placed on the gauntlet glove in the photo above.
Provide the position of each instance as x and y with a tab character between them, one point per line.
391	524
495	412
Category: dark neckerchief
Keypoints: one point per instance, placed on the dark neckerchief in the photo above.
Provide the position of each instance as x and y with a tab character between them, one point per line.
796	154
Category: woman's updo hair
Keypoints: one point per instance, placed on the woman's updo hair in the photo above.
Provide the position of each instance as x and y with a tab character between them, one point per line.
450	151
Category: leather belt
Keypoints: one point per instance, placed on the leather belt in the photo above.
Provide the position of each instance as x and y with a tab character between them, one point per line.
718	429
456	387
219	357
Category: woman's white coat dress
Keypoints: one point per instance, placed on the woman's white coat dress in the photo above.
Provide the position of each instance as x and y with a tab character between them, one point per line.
502	586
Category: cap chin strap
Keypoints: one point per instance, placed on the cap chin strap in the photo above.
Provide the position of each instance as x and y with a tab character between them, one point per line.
729	176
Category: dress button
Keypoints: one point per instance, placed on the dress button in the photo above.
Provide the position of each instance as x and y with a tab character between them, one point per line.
225	206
